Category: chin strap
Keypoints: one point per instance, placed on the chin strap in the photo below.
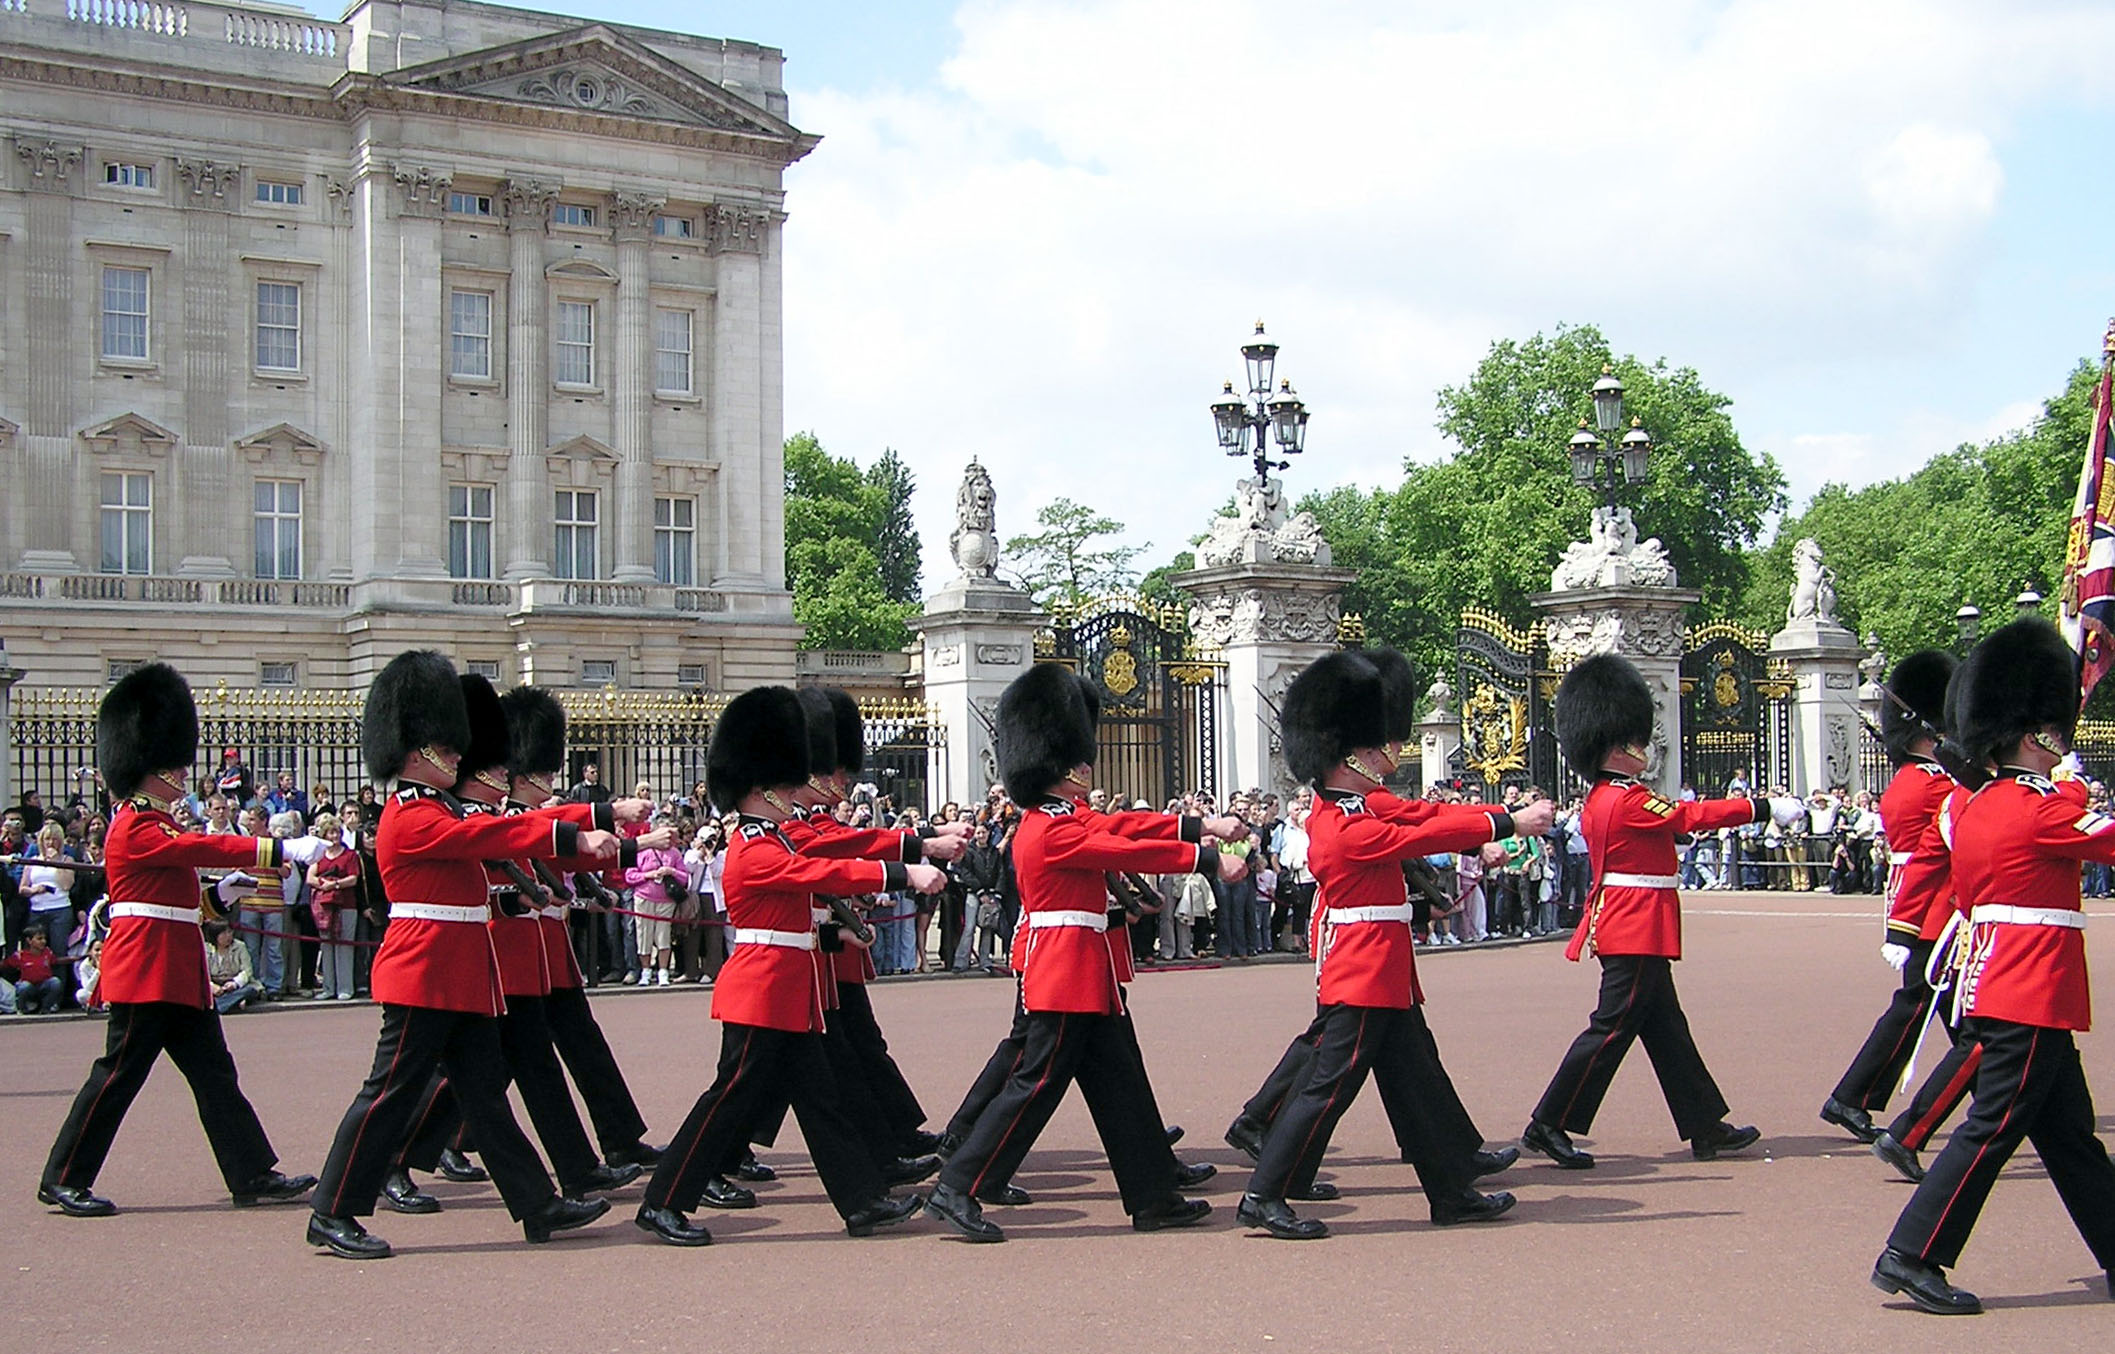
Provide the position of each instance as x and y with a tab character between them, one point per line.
1357	767
771	798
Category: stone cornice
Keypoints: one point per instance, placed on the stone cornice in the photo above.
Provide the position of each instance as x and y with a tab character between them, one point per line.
356	95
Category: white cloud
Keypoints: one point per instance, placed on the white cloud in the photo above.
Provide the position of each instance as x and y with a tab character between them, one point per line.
1049	259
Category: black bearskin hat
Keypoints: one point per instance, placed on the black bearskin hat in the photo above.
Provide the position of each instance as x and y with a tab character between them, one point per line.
415	702
1400	683
147	724
1339	703
821	720
1603	703
1918	682
2022	677
1092	696
490	741
761	741
535	731
851	731
1044	730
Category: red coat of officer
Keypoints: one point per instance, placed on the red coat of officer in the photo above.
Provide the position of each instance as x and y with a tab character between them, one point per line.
817	833
430	856
1630	830
1919	887
1356	856
153	862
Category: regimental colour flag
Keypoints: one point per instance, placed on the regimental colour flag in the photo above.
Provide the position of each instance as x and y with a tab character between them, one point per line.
2089	556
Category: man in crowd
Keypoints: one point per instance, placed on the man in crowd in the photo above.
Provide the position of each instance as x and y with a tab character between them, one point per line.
234	779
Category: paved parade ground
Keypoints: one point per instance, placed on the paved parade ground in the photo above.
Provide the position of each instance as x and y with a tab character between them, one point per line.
1651	1251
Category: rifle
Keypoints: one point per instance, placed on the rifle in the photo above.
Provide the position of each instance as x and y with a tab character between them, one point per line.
60	863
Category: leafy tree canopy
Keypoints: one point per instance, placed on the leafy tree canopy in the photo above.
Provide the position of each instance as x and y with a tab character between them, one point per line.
1073	557
840	525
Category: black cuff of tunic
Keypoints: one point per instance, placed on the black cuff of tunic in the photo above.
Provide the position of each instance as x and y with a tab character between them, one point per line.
1207	862
605	816
1192	829
913	848
894	876
628	852
1501	825
1761	808
565	838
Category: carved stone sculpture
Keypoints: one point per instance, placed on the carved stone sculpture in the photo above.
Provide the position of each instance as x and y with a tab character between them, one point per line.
1259	530
1438	696
975	540
1813	584
1613	556
1872	669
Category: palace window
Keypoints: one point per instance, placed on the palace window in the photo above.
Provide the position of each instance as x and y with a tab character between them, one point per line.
674	227
575	364
276	512
128	176
279	194
573	546
470	531
275	674
672	370
278	326
572	214
675	541
125	313
127	522
470	335
469	204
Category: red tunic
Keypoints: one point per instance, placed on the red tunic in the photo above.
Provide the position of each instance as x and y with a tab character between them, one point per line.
1356	857
767	886
1919	886
430	855
1060	853
151	861
1138	825
535	953
1630	830
822	836
2017	843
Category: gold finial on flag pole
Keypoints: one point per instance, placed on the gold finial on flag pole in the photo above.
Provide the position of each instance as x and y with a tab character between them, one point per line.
2107	340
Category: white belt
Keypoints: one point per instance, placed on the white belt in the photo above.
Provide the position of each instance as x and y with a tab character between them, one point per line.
1900	857
789	940
1091	921
154	910
1344	916
2027	916
477	916
1615	880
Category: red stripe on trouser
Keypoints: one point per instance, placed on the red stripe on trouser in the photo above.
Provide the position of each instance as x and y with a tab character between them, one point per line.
388	1079
1915	1023
119	1061
1587	1075
725	1091
1920	1132
2034	1046
1000	1146
1357	1044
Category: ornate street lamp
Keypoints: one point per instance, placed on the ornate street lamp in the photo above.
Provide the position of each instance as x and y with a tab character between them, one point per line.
1603	461
2029	602
1968	625
1249	426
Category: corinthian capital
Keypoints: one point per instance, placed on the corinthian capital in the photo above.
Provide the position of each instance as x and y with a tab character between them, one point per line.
527	203
632	214
739	229
421	190
208	183
50	164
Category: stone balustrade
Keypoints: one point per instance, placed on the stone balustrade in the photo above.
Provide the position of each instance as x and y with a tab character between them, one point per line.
179	31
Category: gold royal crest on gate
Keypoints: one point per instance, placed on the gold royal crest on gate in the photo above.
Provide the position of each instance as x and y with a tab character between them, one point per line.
1120	669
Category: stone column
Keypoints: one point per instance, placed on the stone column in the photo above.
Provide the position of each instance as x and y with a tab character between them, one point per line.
1646	624
632	389
9	675
978	634
1823	656
214	510
528	208
746	464
1438	733
50	512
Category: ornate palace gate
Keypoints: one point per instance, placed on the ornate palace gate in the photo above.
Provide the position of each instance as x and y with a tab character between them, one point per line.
1736	711
1506	690
1159	727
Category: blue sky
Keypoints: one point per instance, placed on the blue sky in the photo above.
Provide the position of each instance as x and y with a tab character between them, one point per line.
1037	231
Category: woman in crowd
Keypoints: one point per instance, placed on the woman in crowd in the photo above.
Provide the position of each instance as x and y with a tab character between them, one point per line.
87	977
653	898
234	984
334	890
703	946
978	875
47	887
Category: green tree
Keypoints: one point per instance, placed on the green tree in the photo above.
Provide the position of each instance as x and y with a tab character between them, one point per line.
1158	584
836	524
1486	525
1072	559
898	546
1972	525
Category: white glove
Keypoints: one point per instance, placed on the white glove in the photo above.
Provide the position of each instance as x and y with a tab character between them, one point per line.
2069	768
1895	955
233	887
1788	812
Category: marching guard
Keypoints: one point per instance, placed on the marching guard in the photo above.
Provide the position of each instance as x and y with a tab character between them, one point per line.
435	976
1919	888
769	997
1070	992
154	964
1633	920
2017	844
1338	733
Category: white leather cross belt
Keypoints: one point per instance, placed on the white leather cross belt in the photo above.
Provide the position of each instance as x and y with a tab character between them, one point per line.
476	916
1616	880
155	910
1344	916
1091	921
785	940
2006	913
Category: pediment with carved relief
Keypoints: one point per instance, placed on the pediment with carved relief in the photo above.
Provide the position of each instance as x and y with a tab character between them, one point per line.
594	69
282	442
130	432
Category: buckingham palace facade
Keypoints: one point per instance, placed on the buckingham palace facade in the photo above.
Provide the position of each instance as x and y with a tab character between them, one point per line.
446	324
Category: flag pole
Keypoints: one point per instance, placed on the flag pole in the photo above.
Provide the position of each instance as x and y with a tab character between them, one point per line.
2087	609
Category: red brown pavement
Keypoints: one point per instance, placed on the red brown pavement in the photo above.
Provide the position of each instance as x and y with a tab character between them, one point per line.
1651	1251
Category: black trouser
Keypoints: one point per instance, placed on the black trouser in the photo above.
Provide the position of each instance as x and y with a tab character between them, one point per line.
997	1068
2029	1086
1948	1085
414	1041
1394	1046
759	1067
900	1111
1100	1052
1459	1130
579	1041
301	957
1638	1001
1872	1075
137	1033
532	1065
1288	1076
